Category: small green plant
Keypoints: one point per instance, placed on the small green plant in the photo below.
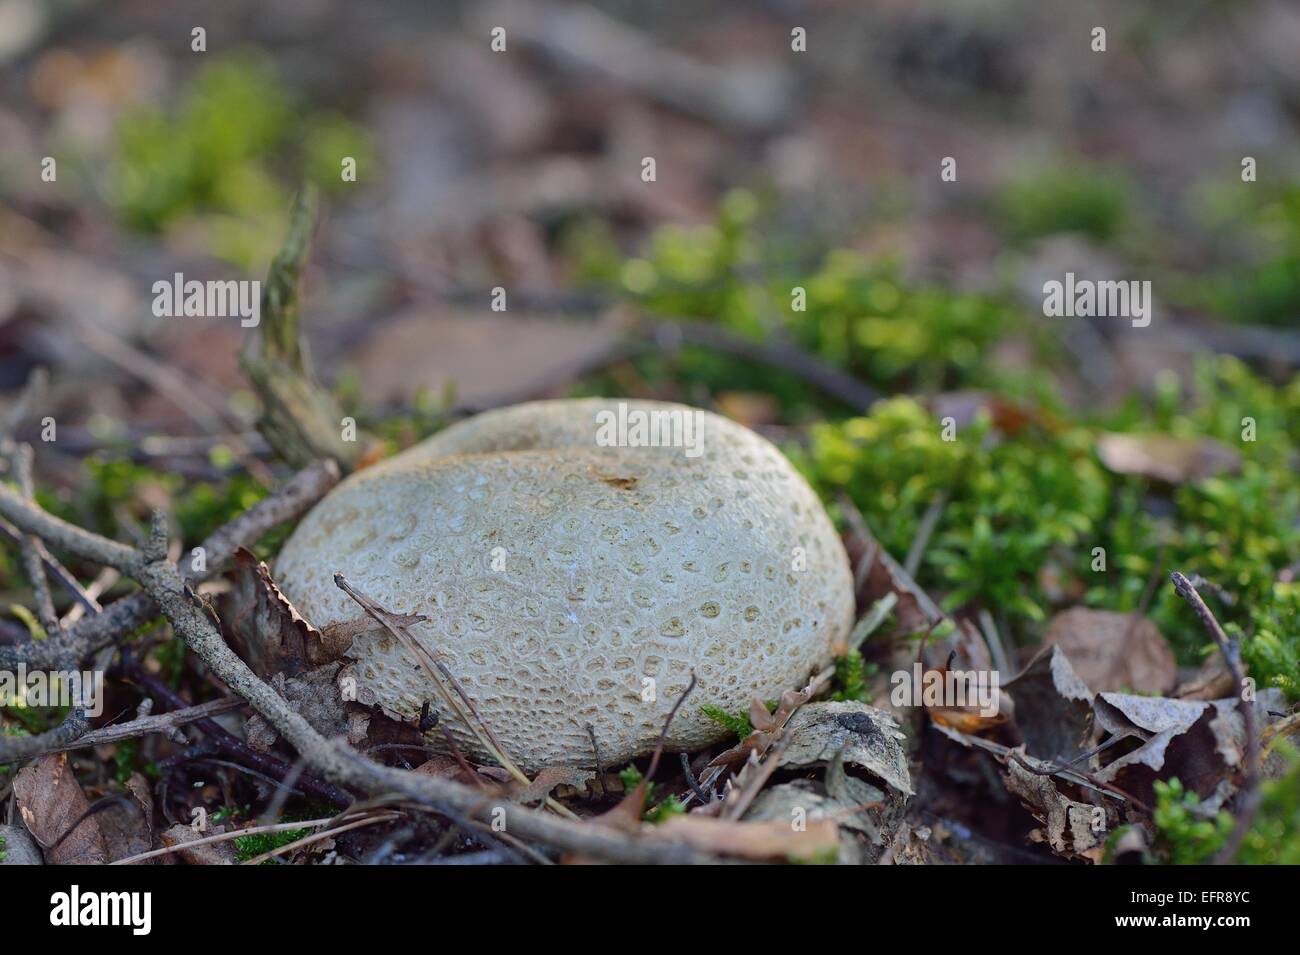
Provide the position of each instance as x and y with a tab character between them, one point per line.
1068	198
851	673
1272	651
738	725
1187	835
212	155
249	847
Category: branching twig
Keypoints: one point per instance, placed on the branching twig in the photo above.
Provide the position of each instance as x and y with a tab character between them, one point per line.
1249	802
166	723
338	762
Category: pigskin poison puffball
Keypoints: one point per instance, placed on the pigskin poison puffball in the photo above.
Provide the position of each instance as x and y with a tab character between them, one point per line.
575	561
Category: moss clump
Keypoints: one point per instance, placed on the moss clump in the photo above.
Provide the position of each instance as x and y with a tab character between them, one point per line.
737	725
1025	510
1187	835
1075	197
211	155
249	847
851	673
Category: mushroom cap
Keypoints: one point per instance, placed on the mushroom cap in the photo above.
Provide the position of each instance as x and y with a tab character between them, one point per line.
566	582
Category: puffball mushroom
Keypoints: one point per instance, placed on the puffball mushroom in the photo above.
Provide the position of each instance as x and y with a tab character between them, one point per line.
574	568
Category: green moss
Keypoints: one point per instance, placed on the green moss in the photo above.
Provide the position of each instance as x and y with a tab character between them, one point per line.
249	847
221	152
1074	197
1271	650
1036	500
851	673
1187	835
1263	285
737	725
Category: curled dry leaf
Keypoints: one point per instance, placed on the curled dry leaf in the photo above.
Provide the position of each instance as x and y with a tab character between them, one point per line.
546	781
1053	706
211	853
802	799
128	826
1202	743
278	637
51	804
878	575
1072	829
863	736
1114	651
1166	458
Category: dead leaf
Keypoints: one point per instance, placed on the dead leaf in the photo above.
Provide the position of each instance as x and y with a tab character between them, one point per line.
1165	457
448	767
861	735
51	803
1212	681
212	853
1202	743
488	359
278	637
878	574
802	799
1114	651
1053	706
550	778
1072	829
1006	415
128	827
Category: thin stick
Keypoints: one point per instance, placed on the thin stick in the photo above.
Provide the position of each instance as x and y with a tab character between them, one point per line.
226	837
929	520
144	725
460	701
1232	655
335	760
323	834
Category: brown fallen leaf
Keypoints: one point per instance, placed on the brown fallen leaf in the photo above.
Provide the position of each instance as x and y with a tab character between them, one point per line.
1165	457
278	637
211	853
1114	651
551	778
803	799
777	839
1053	706
1212	681
51	804
1007	416
878	574
448	767
1200	742
1072	829
128	826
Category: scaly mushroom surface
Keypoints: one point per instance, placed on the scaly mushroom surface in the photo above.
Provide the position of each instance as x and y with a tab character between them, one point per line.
569	582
